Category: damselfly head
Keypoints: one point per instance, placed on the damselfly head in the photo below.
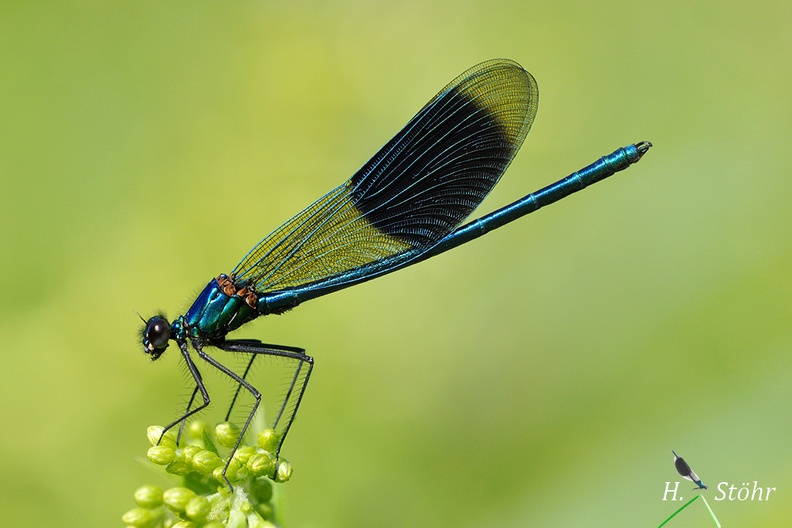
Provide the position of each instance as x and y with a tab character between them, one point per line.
155	336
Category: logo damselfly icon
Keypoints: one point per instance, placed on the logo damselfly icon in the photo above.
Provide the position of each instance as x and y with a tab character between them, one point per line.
684	469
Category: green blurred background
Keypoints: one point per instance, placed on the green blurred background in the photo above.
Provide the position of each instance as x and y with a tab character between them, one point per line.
539	376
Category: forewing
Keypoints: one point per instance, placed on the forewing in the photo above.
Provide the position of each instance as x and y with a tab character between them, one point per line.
418	188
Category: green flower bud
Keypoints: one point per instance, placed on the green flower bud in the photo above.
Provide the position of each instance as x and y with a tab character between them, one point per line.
233	469
189	452
261	491
235	472
226	434
214	525
154	433
177	467
185	524
242	473
206	461
161	455
268	440
177	498
138	517
284	471
196	429
198	508
148	497
261	464
244	453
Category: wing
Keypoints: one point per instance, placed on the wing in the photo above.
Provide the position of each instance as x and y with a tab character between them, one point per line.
418	188
683	469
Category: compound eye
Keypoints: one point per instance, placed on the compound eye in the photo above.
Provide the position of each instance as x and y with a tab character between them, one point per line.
157	333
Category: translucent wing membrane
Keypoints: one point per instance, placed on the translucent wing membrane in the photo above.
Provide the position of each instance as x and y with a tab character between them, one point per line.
418	188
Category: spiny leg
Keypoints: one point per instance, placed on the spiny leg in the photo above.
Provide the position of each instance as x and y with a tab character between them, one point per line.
239	387
294	381
256	395
199	387
183	421
256	348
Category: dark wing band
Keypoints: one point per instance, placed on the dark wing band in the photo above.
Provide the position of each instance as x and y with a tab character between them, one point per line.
418	188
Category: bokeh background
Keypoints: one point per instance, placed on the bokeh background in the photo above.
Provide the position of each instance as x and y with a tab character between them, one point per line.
539	376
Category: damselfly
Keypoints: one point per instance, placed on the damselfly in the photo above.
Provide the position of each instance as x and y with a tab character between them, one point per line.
406	204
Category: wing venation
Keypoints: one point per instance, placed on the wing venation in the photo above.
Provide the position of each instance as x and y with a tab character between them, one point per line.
417	189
